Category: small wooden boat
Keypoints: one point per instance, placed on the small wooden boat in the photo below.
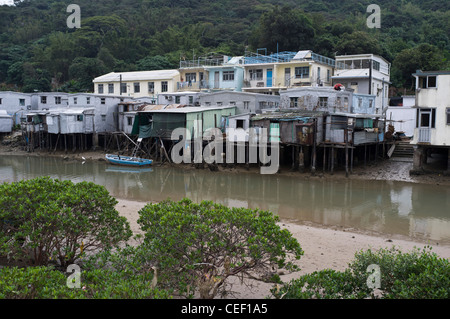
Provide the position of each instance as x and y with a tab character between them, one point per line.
127	160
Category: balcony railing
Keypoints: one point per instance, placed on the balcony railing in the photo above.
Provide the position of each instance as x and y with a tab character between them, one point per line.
187	86
424	135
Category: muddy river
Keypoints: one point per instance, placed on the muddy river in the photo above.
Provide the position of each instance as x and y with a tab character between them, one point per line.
418	211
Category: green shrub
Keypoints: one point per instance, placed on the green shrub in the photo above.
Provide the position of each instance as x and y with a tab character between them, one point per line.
47	283
324	284
45	220
419	274
196	247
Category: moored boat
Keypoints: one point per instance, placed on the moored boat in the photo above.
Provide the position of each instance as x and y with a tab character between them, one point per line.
127	160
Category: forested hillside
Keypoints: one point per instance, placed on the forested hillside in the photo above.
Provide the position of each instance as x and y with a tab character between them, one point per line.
39	52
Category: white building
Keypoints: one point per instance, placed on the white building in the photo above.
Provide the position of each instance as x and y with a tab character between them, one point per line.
187	98
365	74
245	102
432	131
6	122
48	100
402	115
16	104
137	84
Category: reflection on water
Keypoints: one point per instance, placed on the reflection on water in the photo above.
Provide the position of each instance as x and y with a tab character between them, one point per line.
414	210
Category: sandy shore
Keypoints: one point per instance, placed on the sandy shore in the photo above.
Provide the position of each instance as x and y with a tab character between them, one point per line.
324	248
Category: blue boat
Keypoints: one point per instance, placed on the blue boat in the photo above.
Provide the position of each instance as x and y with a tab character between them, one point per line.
127	160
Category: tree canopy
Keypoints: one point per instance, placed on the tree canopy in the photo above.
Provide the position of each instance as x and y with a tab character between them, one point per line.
37	48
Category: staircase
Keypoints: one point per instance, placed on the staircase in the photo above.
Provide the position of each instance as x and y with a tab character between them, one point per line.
403	150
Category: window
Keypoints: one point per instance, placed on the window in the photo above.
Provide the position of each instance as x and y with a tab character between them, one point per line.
246	105
232	103
123	88
240	123
370	103
164	86
100	88
111	88
88	100
75	100
301	72
426	118
431	81
22	102
328	75
448	115
359	102
191	99
137	87
191	77
426	82
294	102
129	120
177	99
151	87
323	101
80	118
43	99
228	76
376	65
219	103
102	100
57	100
0	101
256	74
103	117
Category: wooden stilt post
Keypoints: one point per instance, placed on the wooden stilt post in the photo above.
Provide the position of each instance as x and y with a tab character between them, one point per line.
324	158
313	164
294	149
365	152
301	159
351	161
332	160
346	159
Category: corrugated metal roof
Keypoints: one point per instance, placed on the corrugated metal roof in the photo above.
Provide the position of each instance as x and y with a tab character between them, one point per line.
287	115
188	109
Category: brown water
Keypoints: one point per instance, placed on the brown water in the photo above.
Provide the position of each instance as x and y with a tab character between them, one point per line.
416	210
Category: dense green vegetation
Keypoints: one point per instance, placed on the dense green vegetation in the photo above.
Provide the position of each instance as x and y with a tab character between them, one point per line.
39	52
198	247
419	274
44	221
